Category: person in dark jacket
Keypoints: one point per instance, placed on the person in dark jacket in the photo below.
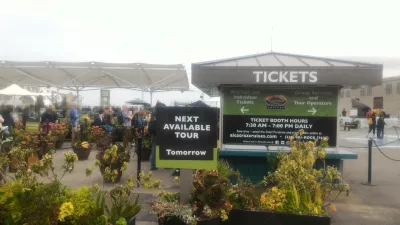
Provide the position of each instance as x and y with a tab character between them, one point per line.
152	131
48	116
8	120
380	126
99	119
25	116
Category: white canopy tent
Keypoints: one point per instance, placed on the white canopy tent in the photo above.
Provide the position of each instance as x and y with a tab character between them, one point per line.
15	90
82	76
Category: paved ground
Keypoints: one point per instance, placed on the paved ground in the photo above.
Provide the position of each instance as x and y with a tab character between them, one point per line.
370	205
366	205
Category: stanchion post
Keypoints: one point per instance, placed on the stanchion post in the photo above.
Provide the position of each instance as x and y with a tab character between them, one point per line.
369	163
369	160
139	158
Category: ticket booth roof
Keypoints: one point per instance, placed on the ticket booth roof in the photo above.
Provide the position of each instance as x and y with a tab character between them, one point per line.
206	75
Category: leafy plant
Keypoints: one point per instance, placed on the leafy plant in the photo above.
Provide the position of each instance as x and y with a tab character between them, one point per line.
299	188
211	192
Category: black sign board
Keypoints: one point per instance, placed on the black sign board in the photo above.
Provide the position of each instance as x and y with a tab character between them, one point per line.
185	135
276	130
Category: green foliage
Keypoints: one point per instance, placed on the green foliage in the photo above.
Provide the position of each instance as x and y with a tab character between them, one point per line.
211	192
147	181
122	205
296	186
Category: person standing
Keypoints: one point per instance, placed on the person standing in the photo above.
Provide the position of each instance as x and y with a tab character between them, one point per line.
371	118
127	123
74	120
381	125
109	119
99	119
152	131
344	113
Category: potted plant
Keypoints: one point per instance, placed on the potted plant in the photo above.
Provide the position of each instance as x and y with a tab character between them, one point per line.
112	163
171	212
146	148
209	201
60	130
297	192
47	142
82	145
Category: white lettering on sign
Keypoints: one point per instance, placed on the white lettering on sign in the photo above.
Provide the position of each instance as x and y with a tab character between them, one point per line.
185	127
286	76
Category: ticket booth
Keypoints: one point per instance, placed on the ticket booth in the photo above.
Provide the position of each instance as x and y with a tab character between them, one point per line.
265	98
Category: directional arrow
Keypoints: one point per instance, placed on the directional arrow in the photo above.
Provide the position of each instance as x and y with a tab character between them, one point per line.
313	111
244	110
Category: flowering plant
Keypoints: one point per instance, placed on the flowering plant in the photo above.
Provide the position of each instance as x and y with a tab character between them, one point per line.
60	130
296	186
97	132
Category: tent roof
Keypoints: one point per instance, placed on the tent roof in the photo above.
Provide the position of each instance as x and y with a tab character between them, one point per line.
15	90
253	70
278	59
80	75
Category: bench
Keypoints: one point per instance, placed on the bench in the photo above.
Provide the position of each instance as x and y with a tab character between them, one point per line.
252	163
349	125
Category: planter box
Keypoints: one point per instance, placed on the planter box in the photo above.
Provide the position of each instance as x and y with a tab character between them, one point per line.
82	153
172	220
242	217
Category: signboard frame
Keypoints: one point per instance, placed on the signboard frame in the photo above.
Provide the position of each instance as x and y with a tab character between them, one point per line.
223	108
207	139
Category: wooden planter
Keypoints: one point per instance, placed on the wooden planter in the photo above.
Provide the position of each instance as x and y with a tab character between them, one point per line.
243	217
173	220
82	153
117	167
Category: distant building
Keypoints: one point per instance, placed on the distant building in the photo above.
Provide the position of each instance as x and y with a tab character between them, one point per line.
385	96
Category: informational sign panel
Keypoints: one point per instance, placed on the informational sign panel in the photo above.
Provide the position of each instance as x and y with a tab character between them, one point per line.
269	116
186	137
104	98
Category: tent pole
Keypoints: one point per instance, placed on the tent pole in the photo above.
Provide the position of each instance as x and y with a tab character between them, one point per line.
151	98
77	98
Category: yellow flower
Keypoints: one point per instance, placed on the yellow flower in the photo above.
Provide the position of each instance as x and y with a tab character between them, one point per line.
66	209
115	172
85	144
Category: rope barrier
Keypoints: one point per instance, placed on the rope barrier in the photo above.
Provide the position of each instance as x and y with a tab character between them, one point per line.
396	160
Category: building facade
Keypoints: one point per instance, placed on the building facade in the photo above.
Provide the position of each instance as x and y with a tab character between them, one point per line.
385	96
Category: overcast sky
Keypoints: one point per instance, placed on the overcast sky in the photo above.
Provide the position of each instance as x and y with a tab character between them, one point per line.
192	31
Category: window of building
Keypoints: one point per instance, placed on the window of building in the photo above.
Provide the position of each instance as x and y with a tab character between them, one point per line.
362	90
348	93
398	88
388	89
378	103
369	91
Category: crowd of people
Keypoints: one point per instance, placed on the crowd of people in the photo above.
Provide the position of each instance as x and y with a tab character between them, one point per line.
376	122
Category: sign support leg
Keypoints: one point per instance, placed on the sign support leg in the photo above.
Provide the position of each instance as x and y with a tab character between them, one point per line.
186	180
